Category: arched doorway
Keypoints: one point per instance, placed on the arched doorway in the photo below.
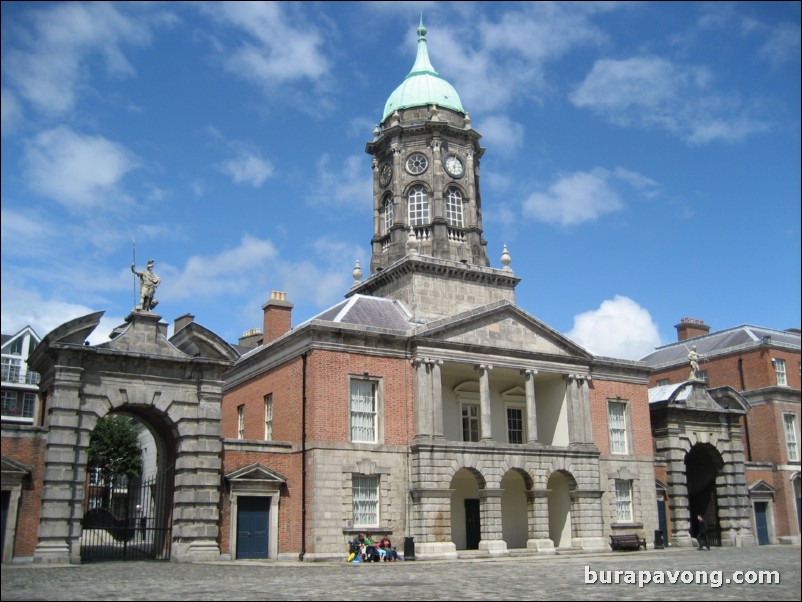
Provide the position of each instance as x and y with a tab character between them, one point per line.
466	531
703	464
128	498
514	509
560	528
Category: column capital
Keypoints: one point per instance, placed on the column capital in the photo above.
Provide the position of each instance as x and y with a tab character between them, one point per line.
481	367
529	372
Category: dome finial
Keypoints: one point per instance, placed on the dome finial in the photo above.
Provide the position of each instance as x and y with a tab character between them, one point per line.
421	28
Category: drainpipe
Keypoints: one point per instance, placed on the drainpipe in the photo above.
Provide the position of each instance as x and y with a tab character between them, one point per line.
303	458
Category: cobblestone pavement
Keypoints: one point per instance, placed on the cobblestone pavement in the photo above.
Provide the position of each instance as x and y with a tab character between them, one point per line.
510	578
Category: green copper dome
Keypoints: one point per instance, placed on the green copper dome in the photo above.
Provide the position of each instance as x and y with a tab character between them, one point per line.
423	86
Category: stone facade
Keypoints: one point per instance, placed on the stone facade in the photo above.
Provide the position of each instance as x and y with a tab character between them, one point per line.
140	373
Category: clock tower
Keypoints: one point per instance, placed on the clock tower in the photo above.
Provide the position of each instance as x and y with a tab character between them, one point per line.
427	209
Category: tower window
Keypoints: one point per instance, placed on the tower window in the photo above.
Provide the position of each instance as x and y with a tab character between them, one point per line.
418	206
454	208
388	214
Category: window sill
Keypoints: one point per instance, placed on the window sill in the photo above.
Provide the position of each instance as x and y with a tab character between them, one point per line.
626	526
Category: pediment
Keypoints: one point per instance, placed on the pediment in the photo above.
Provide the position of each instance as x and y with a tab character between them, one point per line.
198	341
502	326
256	472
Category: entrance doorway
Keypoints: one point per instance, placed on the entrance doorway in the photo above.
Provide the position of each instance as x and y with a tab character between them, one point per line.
703	465
253	521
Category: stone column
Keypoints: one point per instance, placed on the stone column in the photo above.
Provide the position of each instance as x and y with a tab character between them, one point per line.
437	399
423	401
531	412
484	402
538	515
584	404
573	414
431	509
492	540
62	492
587	521
679	501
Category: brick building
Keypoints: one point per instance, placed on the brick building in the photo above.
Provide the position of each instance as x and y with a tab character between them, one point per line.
427	404
759	371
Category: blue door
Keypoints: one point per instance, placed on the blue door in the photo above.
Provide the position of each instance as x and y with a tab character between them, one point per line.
761	523
253	517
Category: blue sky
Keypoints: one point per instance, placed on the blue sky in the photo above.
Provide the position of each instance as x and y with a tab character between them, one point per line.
642	164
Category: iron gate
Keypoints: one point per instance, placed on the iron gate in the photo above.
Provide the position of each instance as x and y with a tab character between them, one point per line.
127	518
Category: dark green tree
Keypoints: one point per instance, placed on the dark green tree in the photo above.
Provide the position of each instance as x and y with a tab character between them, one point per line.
114	449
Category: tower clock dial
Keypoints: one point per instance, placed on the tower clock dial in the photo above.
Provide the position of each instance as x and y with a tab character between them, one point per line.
385	174
417	163
454	166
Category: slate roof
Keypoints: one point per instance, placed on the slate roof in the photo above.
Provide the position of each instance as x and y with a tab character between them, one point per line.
375	312
721	343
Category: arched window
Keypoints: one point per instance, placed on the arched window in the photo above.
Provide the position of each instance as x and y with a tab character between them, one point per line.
388	214
418	206
454	215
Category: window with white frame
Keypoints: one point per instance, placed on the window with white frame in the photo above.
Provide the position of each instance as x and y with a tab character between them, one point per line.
11	369
28	404
16	346
617	419
623	500
365	500
454	215
470	422
9	401
418	206
515	424
789	421
364	414
388	214
779	371
241	422
269	417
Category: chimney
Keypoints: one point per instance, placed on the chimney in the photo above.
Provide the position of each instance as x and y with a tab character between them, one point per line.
251	338
278	317
689	328
182	321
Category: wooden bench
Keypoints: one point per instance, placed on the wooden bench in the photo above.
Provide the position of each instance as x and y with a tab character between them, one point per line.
630	541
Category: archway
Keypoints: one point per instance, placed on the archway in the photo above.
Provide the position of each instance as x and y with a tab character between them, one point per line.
465	509
128	512
514	509
703	464
560	528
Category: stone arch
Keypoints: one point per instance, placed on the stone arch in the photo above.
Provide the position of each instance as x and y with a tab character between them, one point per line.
703	465
560	484
516	486
466	484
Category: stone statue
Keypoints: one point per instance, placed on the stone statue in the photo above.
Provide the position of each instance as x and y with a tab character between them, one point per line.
693	358
148	281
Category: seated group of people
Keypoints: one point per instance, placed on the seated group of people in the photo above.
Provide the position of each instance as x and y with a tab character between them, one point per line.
364	549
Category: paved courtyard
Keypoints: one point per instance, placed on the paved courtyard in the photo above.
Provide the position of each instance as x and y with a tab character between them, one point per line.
511	578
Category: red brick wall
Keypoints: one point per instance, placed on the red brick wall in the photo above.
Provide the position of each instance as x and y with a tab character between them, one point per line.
28	448
757	368
289	520
285	383
767	441
328	409
638	404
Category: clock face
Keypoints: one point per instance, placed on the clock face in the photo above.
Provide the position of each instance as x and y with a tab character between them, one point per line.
454	166
385	174
417	163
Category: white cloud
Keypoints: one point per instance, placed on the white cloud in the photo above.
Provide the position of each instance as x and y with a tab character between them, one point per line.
10	111
575	198
51	68
654	93
502	134
22	307
222	274
79	171
618	328
276	47
349	185
494	64
248	167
